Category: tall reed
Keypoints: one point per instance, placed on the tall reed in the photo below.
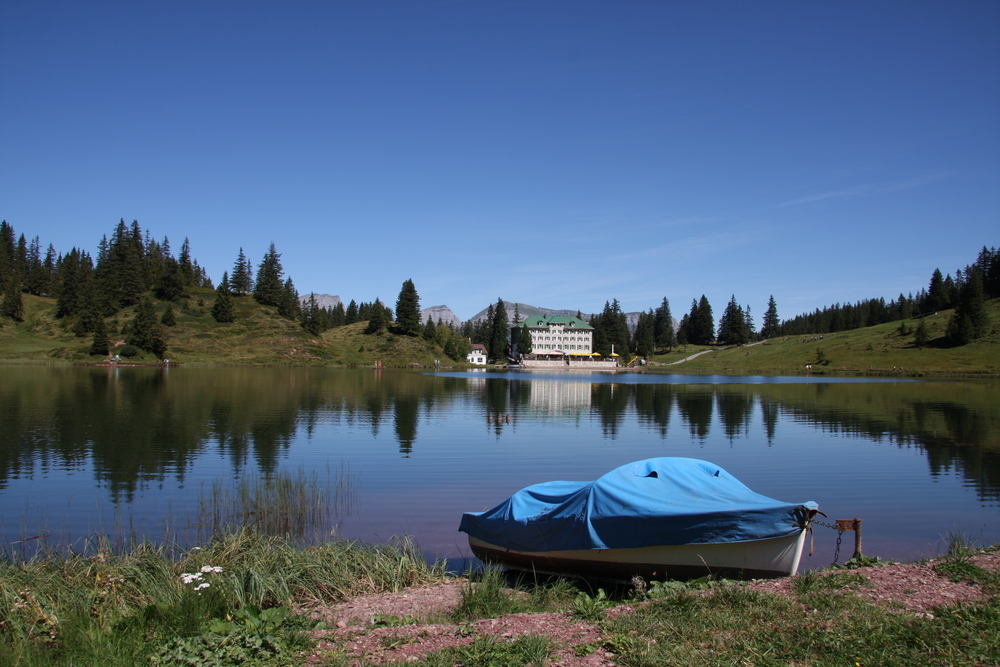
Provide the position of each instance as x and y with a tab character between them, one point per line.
288	504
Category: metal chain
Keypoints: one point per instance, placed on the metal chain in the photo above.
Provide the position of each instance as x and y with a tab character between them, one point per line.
840	536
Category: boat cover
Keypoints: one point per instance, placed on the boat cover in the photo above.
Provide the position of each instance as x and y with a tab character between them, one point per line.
660	501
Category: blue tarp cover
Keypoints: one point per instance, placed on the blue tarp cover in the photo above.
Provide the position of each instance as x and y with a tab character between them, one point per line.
646	503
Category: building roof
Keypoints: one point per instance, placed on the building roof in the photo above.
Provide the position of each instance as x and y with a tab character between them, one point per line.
540	321
478	347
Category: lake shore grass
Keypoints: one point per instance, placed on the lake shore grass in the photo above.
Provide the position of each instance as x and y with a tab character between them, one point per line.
234	597
244	598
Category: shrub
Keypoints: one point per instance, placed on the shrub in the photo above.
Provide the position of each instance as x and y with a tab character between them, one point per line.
129	351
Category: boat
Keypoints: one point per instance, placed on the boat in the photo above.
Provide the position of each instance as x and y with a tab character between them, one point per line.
660	518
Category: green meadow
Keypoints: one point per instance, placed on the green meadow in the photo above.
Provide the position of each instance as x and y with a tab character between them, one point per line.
260	337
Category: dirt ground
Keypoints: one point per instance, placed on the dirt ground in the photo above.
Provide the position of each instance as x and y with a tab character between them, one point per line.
907	588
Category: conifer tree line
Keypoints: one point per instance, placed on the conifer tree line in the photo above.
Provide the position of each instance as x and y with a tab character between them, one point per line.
653	332
966	292
131	267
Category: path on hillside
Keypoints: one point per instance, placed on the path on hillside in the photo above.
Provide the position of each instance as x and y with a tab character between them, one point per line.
698	354
693	356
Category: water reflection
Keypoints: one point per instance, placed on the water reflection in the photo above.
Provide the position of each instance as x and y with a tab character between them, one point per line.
136	427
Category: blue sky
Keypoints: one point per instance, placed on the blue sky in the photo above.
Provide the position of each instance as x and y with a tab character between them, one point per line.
560	154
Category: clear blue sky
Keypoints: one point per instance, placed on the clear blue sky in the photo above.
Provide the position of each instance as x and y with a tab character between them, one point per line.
560	154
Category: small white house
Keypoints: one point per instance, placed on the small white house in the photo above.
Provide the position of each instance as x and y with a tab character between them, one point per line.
478	354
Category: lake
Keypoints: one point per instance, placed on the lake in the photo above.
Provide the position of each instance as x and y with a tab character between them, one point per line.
84	449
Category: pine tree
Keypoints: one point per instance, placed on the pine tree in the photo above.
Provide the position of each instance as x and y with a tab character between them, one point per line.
430	330
101	344
50	263
222	310
364	311
288	304
377	321
769	327
168	319
499	332
186	267
938	297
905	307
121	267
683	330
351	316
989	264
602	344
408	309
145	331
242	282
617	324
732	326
484	330
37	278
21	260
751	329
611	333
311	320
970	320
920	336
171	285
663	327
269	287
338	317
701	324
12	305
69	278
7	253
644	340
524	342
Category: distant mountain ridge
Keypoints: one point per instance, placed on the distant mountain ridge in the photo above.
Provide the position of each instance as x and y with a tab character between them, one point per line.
446	315
525	311
322	300
441	314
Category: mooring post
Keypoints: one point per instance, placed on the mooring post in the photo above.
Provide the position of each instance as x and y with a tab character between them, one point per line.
857	537
851	524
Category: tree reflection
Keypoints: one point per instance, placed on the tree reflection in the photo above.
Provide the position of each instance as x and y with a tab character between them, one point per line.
653	404
610	402
735	411
138	426
696	410
407	412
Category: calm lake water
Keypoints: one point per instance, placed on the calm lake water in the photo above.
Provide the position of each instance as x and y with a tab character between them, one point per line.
84	449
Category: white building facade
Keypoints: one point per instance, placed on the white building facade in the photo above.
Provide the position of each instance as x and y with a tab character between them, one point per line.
477	355
552	335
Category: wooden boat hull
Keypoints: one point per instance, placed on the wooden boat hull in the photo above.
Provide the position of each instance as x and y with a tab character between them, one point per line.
775	557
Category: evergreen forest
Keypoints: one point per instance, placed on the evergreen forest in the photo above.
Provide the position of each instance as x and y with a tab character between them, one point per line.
132	271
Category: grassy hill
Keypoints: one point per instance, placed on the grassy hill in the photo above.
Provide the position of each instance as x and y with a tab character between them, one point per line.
878	350
258	337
